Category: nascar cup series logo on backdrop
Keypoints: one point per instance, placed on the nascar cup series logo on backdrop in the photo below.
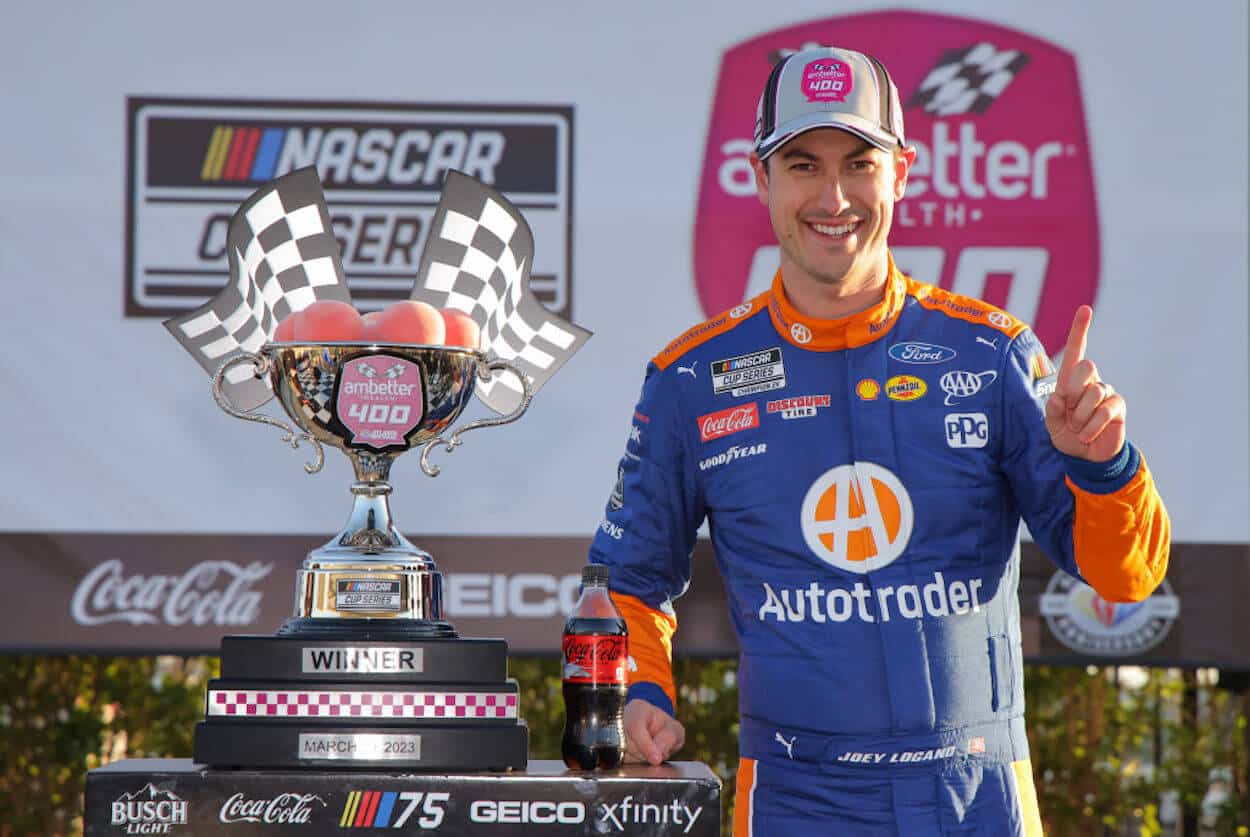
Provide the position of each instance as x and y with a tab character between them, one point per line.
1000	203
191	162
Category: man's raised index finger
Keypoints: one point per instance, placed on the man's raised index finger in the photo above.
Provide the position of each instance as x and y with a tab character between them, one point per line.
1074	350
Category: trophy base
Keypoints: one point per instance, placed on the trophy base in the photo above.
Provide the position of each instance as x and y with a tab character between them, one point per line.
276	745
386	630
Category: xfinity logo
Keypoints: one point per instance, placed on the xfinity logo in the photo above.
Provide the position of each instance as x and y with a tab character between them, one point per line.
967	430
628	812
525	811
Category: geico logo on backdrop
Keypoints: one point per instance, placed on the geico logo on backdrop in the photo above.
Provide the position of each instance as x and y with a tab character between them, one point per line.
522	595
523	811
382	168
997	120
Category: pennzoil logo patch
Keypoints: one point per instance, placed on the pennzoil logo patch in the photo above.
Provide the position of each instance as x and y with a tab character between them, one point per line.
905	388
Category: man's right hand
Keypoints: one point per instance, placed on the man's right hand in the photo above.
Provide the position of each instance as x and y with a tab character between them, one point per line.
651	734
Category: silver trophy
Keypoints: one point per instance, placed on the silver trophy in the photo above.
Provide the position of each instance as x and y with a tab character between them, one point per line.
373	402
367	673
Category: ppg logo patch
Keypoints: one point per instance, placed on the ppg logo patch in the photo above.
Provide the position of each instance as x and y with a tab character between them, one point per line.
967	430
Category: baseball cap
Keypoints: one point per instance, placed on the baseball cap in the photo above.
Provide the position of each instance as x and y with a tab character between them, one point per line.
828	87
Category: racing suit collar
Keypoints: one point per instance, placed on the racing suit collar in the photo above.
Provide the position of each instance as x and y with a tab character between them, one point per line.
847	332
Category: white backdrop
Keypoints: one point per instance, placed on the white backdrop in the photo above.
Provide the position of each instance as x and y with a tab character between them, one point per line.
110	427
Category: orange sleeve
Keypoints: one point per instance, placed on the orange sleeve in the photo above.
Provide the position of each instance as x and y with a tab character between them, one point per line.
650	643
1121	540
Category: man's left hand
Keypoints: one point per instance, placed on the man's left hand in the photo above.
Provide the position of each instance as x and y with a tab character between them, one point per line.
1085	415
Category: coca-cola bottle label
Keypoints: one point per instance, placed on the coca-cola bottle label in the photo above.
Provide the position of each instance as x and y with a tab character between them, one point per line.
595	659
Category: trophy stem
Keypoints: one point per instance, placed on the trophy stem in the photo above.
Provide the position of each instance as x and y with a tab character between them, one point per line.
370	530
369	580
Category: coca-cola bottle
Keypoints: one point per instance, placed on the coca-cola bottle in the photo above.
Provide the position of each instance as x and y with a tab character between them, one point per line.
596	651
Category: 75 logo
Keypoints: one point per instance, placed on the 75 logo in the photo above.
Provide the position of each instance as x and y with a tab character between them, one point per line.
394	809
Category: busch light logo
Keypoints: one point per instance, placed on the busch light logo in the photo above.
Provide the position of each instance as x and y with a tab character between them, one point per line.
1089	624
1000	202
150	810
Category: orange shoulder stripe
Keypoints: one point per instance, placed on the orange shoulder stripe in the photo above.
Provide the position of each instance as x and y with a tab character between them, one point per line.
1121	540
705	331
650	643
965	308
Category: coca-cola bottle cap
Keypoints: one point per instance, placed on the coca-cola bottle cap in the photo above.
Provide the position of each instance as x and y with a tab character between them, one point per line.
595	575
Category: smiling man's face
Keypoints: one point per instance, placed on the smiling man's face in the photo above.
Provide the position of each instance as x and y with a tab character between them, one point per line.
830	196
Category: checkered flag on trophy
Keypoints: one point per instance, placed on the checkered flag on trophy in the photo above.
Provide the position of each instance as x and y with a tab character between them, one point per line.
283	258
478	260
968	80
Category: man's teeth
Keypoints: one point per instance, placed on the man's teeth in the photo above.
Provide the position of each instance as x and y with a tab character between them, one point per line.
828	230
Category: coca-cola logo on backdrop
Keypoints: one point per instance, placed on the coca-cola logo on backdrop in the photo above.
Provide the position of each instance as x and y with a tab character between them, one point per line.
1000	203
208	593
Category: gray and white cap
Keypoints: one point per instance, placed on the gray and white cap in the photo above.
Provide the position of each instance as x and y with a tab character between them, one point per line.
828	87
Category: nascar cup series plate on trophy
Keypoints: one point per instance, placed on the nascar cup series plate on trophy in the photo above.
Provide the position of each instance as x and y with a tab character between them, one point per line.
367	673
374	400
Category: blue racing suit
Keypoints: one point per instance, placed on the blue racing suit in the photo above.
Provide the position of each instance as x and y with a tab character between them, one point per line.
864	480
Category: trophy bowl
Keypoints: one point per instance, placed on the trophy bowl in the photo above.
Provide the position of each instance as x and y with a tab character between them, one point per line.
373	401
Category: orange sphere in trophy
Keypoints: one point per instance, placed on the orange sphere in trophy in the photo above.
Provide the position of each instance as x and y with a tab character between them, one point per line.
408	321
462	330
329	320
285	332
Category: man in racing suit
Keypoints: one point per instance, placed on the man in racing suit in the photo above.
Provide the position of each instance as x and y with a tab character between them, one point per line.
864	447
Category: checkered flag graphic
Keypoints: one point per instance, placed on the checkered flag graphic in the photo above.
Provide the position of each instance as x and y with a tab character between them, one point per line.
968	80
478	260
283	258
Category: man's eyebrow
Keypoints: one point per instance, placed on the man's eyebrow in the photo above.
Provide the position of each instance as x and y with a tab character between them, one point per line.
797	152
864	146
791	153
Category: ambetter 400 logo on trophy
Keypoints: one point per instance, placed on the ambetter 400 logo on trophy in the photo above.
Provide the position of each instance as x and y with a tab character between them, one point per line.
367	673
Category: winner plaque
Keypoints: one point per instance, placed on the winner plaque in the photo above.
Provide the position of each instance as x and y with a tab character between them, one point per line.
367	673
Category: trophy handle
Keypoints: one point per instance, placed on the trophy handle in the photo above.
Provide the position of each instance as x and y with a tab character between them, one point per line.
262	368
453	441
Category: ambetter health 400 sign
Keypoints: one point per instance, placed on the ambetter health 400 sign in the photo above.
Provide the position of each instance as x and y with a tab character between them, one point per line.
1000	202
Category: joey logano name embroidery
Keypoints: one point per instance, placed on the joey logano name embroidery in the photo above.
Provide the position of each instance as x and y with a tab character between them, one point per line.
817	603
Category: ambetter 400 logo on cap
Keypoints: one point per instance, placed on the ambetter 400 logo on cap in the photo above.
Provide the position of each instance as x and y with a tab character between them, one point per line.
1000	202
